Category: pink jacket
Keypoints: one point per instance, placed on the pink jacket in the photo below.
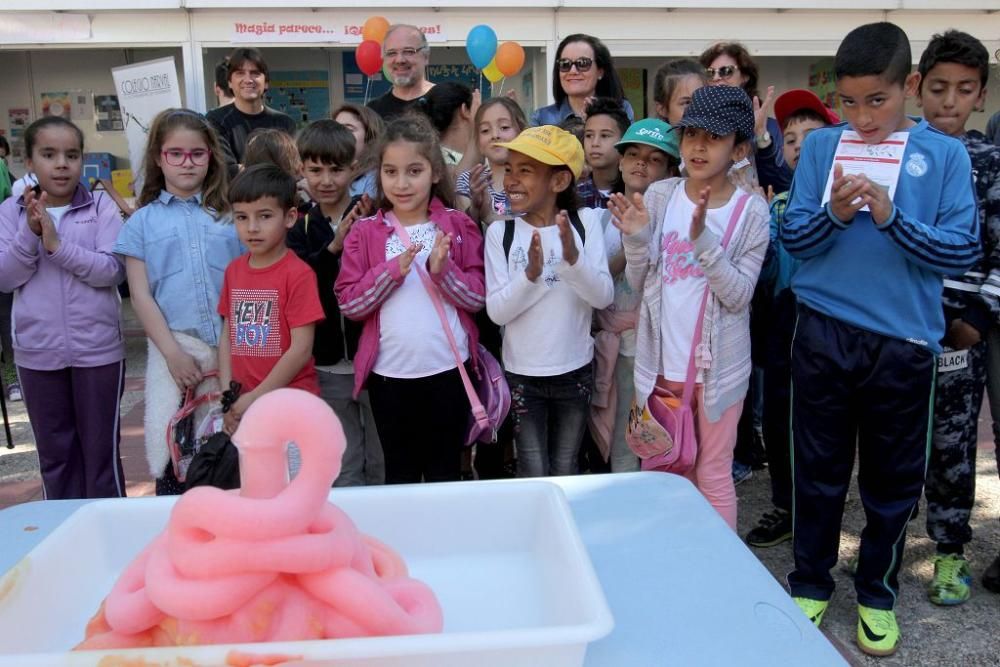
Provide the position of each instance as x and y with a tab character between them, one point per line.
366	279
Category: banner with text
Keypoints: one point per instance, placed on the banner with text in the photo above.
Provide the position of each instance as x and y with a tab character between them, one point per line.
312	30
144	90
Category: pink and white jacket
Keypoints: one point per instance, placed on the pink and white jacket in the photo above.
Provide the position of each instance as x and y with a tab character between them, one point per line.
367	279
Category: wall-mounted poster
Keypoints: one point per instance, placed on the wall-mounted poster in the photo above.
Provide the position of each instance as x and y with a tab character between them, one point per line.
304	94
108	113
82	105
57	104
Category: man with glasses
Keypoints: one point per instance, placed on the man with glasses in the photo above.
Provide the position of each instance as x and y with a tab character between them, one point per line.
248	79
406	56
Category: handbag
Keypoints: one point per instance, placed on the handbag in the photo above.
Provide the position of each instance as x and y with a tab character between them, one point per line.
184	438
661	432
489	398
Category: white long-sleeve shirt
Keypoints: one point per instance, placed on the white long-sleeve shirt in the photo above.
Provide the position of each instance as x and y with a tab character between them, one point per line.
547	322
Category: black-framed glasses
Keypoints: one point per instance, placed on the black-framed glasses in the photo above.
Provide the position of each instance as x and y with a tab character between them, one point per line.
408	53
581	64
176	157
724	72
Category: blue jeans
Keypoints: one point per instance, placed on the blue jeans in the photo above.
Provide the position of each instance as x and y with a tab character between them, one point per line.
550	416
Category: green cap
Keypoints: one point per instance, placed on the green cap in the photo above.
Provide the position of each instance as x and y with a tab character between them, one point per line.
651	132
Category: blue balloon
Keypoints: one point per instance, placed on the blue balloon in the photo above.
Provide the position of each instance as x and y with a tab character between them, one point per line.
481	45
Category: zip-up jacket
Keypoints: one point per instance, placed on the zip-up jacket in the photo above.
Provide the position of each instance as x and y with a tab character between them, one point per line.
367	279
66	305
886	278
336	337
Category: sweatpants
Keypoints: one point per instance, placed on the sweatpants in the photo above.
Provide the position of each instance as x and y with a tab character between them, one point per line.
713	468
74	415
422	424
951	470
363	462
855	390
777	399
993	385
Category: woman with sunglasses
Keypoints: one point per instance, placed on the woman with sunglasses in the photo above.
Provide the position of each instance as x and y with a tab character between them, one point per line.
730	64
583	69
176	248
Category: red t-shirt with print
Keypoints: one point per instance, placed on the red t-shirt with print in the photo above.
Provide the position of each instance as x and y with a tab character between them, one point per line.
261	307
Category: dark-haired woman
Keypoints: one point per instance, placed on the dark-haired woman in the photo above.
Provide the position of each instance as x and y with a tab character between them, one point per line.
583	69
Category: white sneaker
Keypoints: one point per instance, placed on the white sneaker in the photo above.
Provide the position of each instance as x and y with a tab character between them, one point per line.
14	392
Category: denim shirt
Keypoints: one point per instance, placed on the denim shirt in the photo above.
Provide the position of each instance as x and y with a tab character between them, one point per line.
364	184
554	114
186	251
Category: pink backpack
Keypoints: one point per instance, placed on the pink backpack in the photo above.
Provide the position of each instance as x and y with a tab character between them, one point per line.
490	396
661	432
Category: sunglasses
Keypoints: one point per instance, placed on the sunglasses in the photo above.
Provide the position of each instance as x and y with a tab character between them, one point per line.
175	157
582	64
724	72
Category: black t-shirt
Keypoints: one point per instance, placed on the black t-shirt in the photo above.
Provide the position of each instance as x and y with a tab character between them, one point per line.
234	127
389	106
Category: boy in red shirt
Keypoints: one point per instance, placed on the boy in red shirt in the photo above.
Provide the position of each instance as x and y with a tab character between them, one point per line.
269	302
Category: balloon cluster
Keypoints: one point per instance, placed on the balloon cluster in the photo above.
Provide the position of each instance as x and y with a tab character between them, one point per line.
369	52
495	61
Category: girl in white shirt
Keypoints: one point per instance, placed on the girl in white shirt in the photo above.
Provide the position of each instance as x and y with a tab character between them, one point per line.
546	272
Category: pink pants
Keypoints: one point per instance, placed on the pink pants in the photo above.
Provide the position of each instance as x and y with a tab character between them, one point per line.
713	468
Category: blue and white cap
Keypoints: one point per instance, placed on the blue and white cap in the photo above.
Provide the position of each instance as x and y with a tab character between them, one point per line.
721	110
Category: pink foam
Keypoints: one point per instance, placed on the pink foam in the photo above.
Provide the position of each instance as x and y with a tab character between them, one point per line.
274	562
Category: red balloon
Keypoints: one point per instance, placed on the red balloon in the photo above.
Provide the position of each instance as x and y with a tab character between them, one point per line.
369	57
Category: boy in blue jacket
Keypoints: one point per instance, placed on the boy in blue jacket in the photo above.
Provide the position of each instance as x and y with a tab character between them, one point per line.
869	326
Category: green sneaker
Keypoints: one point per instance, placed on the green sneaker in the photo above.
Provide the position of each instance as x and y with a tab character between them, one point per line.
952	580
813	609
878	632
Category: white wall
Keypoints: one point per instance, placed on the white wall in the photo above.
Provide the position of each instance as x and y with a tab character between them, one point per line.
28	74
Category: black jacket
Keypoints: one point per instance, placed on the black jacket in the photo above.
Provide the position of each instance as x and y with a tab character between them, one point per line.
336	337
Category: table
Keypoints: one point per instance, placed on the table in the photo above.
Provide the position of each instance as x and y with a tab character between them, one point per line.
681	585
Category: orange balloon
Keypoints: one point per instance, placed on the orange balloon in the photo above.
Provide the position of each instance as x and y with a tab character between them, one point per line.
374	29
509	58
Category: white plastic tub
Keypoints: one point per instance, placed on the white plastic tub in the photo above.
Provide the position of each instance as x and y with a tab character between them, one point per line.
505	559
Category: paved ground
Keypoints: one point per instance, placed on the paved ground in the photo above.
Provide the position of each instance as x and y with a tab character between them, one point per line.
933	636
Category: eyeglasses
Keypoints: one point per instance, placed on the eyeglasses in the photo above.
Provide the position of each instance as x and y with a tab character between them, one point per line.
175	157
582	64
724	72
392	54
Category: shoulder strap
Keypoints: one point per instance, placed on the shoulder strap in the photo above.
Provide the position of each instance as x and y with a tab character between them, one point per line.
478	411
699	323
574	219
508	237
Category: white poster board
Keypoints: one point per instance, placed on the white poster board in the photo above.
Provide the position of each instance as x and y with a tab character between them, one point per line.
144	90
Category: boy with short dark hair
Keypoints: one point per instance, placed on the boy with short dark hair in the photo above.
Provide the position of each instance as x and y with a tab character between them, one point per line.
869	323
605	125
954	70
326	149
269	303
799	113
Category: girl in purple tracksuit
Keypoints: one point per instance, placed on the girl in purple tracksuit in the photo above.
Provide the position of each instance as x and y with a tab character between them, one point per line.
55	255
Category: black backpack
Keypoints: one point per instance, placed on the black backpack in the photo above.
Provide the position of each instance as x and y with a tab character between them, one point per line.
508	232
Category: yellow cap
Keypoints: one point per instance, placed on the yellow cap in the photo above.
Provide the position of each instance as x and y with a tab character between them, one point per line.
549	145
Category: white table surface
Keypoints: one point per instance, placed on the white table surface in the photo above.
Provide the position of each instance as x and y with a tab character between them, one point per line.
681	585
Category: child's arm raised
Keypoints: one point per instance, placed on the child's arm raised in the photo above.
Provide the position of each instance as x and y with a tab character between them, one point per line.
810	227
633	218
732	281
97	267
182	366
362	289
463	284
508	295
19	244
587	275
951	246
